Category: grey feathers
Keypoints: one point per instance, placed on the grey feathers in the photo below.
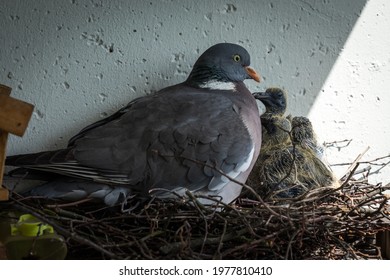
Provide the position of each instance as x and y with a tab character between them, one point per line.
180	138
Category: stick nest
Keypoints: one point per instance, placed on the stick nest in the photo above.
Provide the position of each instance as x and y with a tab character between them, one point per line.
322	224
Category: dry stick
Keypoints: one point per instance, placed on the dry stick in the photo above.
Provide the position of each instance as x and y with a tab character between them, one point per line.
349	177
111	229
365	162
334	143
355	162
142	246
227	206
131	243
222	236
345	246
69	204
69	215
199	207
289	246
360	171
383	165
374	160
173	247
368	256
61	230
359	205
254	243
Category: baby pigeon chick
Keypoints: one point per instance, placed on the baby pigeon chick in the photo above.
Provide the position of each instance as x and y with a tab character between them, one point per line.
288	164
274	100
272	173
303	134
304	139
275	132
275	137
275	126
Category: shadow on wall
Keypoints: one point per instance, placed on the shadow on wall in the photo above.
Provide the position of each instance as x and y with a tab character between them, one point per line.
79	60
302	40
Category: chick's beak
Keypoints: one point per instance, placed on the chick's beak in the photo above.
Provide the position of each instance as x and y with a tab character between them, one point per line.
264	98
253	74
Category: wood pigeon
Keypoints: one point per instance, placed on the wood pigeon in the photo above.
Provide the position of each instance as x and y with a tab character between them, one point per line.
182	138
289	164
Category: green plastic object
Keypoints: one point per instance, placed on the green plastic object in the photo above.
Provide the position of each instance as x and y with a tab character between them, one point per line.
30	238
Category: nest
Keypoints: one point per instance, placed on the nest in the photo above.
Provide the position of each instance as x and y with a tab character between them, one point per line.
322	224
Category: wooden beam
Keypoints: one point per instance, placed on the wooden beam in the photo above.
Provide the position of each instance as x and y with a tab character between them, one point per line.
14	114
14	117
4	194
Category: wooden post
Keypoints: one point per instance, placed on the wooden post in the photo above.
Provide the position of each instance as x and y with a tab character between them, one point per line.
383	241
14	118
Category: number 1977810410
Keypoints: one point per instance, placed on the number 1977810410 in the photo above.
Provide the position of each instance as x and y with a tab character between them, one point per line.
238	270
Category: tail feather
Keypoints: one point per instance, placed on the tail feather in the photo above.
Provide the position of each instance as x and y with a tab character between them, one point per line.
73	190
30	174
67	179
62	162
42	158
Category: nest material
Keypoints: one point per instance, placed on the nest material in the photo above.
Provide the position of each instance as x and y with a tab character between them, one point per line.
324	224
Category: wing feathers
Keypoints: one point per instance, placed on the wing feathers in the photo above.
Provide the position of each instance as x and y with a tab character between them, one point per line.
141	145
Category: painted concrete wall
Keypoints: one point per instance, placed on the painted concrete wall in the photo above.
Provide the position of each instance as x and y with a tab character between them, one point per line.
80	60
355	97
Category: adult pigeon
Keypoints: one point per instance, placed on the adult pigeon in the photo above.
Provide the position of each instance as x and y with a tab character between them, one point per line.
183	138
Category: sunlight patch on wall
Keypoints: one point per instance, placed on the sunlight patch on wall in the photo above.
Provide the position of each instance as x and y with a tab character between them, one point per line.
354	102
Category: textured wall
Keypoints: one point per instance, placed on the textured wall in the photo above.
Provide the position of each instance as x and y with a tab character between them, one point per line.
354	103
80	60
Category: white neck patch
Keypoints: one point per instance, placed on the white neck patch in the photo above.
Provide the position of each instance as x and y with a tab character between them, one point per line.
217	85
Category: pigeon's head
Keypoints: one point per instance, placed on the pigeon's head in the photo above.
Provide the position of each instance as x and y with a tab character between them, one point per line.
223	63
302	133
302	129
274	100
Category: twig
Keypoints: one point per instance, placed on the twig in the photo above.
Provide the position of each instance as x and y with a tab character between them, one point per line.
355	162
335	144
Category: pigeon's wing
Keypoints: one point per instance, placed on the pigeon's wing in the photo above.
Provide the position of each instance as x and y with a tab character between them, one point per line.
108	119
179	138
170	140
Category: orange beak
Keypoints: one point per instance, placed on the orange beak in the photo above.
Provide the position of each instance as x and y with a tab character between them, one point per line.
253	74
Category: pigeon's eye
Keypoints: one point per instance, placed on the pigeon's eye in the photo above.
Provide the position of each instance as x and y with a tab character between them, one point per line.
236	58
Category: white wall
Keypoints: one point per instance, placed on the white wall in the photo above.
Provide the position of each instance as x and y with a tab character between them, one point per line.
80	60
354	102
